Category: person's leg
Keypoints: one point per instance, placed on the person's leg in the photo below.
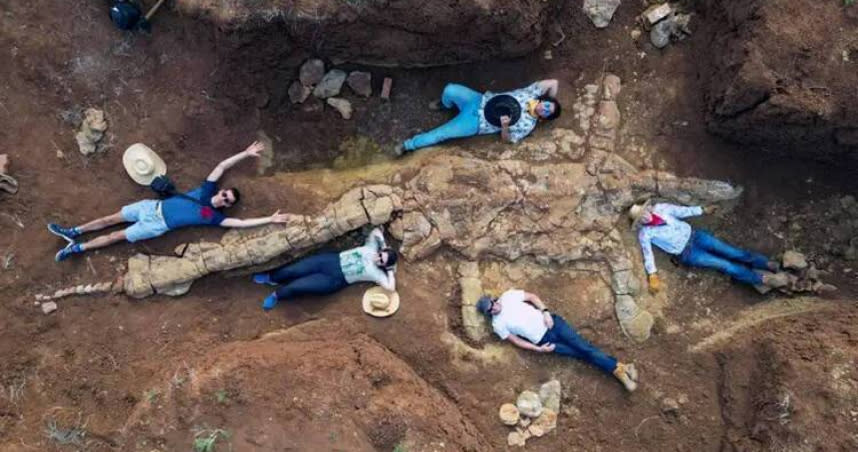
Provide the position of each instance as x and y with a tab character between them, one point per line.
317	263
459	95
313	284
584	350
465	124
699	257
716	246
71	233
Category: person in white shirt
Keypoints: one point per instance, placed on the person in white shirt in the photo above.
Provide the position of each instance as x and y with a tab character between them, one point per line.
522	318
661	225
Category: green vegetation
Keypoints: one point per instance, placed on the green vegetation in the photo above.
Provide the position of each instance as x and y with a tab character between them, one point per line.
205	440
222	397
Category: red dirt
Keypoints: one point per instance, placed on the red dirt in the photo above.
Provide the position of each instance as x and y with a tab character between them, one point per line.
196	96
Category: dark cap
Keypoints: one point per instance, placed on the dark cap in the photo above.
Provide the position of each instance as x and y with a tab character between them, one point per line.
484	305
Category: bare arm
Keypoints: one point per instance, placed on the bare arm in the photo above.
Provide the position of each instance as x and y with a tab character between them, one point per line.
549	87
277	217
390	284
527	345
505	128
252	151
377	237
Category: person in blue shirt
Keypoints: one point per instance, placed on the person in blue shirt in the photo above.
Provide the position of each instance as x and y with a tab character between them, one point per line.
151	218
513	114
661	225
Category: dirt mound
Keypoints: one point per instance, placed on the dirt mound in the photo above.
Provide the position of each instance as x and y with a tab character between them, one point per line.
396	33
296	389
784	74
786	383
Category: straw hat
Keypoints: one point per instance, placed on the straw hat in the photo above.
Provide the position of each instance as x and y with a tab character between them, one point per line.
379	302
636	210
143	164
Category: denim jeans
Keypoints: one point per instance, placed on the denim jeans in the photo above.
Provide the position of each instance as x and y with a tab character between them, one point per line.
567	342
465	124
704	250
319	274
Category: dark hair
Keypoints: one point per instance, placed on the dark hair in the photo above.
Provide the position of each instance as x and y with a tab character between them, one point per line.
235	194
557	108
391	258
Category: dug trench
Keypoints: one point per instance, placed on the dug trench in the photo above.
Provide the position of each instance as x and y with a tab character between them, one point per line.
110	372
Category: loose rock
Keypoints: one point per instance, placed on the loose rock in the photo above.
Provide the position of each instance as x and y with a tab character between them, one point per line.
660	33
669	406
549	395
4	163
794	260
331	84
311	72
360	83
385	88
528	404
600	12
298	92
49	307
656	13
546	422
515	439
509	414
341	105
91	131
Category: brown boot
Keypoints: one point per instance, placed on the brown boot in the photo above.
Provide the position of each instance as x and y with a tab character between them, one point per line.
624	375
777	280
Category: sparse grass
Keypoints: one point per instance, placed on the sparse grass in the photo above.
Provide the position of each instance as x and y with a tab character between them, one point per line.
222	396
73	435
848	2
152	395
205	439
400	448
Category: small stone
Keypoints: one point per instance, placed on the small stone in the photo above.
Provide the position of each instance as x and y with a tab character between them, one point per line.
823	288
341	105
331	84
536	430
794	260
549	395
313	108
91	131
548	55
528	404
635	34
385	88
515	439
656	13
4	164
311	72
571	411
661	32
523	422
49	307
611	87
600	12
813	273
546	422
591	89
509	414
609	114
682	399
298	92
669	406
361	83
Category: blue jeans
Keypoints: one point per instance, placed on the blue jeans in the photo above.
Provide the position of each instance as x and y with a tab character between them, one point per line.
567	342
319	274
465	124
704	250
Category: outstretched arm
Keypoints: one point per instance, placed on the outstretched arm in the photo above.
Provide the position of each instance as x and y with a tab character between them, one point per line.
549	86
376	237
681	211
252	151
277	217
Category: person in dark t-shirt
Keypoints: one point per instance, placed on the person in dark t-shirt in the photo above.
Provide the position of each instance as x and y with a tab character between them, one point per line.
151	218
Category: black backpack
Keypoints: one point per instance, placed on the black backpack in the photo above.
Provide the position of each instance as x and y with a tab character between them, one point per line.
163	186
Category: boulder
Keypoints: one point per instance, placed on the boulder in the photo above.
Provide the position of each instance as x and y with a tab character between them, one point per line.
311	72
528	404
549	395
600	12
546	422
91	131
330	85
361	83
794	260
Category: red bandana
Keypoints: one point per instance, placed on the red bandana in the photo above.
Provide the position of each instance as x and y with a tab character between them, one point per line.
655	220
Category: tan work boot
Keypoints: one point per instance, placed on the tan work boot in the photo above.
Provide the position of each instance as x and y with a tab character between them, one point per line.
624	374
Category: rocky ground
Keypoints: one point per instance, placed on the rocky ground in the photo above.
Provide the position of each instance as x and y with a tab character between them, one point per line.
722	368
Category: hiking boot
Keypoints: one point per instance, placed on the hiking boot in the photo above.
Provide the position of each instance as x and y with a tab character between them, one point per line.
269	302
624	375
263	278
777	280
63	254
67	234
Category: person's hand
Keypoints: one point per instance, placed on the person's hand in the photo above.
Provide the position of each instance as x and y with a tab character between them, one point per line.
710	210
654	284
255	149
504	120
549	322
278	217
547	348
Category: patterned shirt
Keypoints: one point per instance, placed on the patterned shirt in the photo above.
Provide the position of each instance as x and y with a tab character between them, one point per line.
525	124
358	264
671	237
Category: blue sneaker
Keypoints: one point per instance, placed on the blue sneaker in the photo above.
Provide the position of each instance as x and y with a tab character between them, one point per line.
63	254
269	302
263	278
68	234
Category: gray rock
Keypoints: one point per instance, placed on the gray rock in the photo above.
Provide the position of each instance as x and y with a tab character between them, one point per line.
625	282
311	72
528	404
341	105
49	307
549	395
669	406
656	13
794	260
600	12
298	93
661	32
360	83
331	84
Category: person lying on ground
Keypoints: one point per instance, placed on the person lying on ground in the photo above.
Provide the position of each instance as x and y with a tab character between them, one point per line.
522	318
151	218
513	114
661	225
326	273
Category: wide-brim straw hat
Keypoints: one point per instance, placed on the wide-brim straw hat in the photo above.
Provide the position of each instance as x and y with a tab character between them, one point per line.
636	210
379	302
142	164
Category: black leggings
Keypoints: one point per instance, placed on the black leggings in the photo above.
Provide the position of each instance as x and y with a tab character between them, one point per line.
319	274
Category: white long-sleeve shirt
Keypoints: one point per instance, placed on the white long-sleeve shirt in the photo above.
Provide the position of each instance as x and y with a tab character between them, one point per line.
671	237
358	264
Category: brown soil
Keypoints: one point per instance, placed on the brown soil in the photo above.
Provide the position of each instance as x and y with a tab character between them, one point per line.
197	95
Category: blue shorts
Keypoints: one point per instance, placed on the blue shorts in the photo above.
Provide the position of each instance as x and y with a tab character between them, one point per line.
147	218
